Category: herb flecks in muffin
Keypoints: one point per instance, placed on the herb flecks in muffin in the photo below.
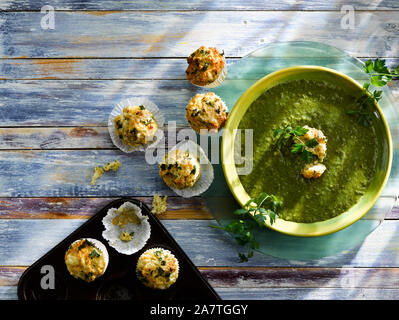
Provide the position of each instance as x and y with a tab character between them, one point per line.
157	268
85	261
206	112
136	125
177	169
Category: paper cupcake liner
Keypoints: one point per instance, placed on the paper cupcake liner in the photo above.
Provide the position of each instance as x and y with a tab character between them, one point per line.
219	79
113	232
118	110
206	176
169	253
100	246
206	131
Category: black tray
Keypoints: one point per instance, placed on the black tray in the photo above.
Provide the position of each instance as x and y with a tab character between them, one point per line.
119	282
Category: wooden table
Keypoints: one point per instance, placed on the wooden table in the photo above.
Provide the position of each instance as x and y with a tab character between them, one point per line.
58	86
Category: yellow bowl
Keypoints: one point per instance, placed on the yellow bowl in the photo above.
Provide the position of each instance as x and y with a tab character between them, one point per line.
384	159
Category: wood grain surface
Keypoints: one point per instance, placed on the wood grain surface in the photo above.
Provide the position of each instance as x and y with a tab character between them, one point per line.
174	34
222	5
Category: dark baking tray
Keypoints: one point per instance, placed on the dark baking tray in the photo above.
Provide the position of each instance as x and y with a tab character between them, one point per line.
119	282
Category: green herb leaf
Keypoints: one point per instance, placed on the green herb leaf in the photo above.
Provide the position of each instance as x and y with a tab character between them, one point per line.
300	131
94	254
255	212
380	76
306	156
298	147
311	143
286	135
240	212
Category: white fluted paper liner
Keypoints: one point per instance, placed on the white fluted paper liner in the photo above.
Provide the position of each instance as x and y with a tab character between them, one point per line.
100	246
118	110
113	232
206	176
141	261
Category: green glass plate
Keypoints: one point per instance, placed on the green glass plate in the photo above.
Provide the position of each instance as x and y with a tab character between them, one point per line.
245	72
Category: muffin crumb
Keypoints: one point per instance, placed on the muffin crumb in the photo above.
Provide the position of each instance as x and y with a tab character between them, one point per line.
99	171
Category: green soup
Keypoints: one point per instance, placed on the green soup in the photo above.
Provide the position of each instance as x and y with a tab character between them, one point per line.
351	150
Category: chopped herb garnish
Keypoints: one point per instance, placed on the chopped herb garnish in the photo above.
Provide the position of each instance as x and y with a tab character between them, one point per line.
288	135
141	107
300	148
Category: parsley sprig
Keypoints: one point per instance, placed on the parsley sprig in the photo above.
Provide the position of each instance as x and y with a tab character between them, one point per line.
288	135
380	75
256	212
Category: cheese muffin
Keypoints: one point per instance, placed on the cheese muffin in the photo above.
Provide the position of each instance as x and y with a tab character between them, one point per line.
206	111
136	125
157	268
180	169
206	66
86	259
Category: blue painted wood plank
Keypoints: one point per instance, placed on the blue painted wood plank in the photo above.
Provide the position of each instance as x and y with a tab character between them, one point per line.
67	173
10	293
17	237
89	102
136	69
56	138
196	5
86	102
308	294
177	34
84	208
